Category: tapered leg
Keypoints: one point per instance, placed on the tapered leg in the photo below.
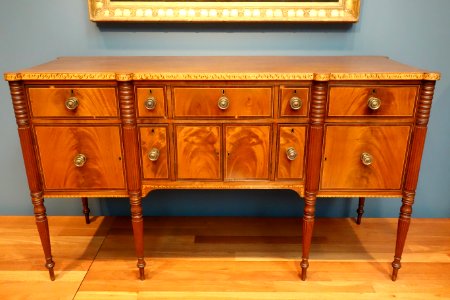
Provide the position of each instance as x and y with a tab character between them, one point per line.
360	210
44	234
86	209
402	230
308	225
137	222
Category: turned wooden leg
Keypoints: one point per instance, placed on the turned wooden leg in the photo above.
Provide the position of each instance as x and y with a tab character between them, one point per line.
402	230
44	234
308	225
86	209
360	210
138	231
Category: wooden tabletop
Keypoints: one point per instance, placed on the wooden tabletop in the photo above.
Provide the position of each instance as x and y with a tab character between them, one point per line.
125	68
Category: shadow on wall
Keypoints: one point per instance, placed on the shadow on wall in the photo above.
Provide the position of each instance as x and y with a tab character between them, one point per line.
249	203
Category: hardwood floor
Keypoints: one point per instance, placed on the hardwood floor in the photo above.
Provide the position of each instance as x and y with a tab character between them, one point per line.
224	258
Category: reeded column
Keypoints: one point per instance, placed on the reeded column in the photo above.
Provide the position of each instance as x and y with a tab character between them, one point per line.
412	173
131	153
21	111
314	156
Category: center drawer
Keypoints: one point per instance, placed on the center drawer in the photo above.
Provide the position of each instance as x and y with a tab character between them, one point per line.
226	102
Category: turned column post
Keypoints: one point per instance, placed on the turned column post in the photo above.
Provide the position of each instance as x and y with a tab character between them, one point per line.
21	111
412	172
132	163
314	156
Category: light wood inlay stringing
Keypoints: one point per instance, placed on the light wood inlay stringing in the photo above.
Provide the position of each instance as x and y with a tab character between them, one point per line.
124	126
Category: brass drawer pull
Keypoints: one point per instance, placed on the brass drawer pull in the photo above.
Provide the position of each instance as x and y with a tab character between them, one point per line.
291	153
72	103
150	103
79	160
153	154
296	103
366	158
223	103
374	103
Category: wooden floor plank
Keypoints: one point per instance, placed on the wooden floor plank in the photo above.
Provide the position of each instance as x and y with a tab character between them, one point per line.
224	258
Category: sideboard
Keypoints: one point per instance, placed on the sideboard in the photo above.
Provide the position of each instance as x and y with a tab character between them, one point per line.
124	126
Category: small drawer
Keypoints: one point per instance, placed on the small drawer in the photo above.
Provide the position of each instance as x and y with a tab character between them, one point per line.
294	102
154	152
80	157
364	157
291	152
369	101
223	102
73	102
151	102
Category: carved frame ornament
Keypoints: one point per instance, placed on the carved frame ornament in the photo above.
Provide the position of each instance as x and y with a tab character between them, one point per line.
223	11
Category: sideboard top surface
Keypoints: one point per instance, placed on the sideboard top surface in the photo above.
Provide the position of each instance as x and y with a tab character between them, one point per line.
126	68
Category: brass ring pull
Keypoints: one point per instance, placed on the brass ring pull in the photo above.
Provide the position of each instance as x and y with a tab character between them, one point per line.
366	158
79	160
296	103
153	154
291	153
72	103
223	103
374	103
150	103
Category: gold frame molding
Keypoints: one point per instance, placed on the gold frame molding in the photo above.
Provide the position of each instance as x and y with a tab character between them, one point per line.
192	11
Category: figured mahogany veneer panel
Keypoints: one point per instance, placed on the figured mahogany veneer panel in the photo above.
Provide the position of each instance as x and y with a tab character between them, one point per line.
291	137
286	95
353	101
93	102
247	152
198	152
342	167
58	146
157	93
203	102
154	138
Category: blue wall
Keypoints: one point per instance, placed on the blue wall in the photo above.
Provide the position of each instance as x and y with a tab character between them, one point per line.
415	32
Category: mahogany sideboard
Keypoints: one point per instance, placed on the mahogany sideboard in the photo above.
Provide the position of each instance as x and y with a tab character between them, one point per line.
124	126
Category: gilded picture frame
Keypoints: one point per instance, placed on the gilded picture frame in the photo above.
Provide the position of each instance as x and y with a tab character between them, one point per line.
224	11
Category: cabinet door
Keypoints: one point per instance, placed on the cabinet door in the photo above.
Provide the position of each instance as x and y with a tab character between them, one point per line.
154	152
81	157
364	157
291	152
247	152
198	152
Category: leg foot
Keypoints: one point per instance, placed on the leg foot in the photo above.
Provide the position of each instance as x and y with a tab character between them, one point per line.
86	210
137	222
308	224
141	270
360	210
49	265
396	265
304	264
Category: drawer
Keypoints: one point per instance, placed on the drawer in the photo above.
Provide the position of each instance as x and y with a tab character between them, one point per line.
73	102
222	102
198	152
247	152
294	102
84	158
154	152
151	102
369	101
291	152
364	157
